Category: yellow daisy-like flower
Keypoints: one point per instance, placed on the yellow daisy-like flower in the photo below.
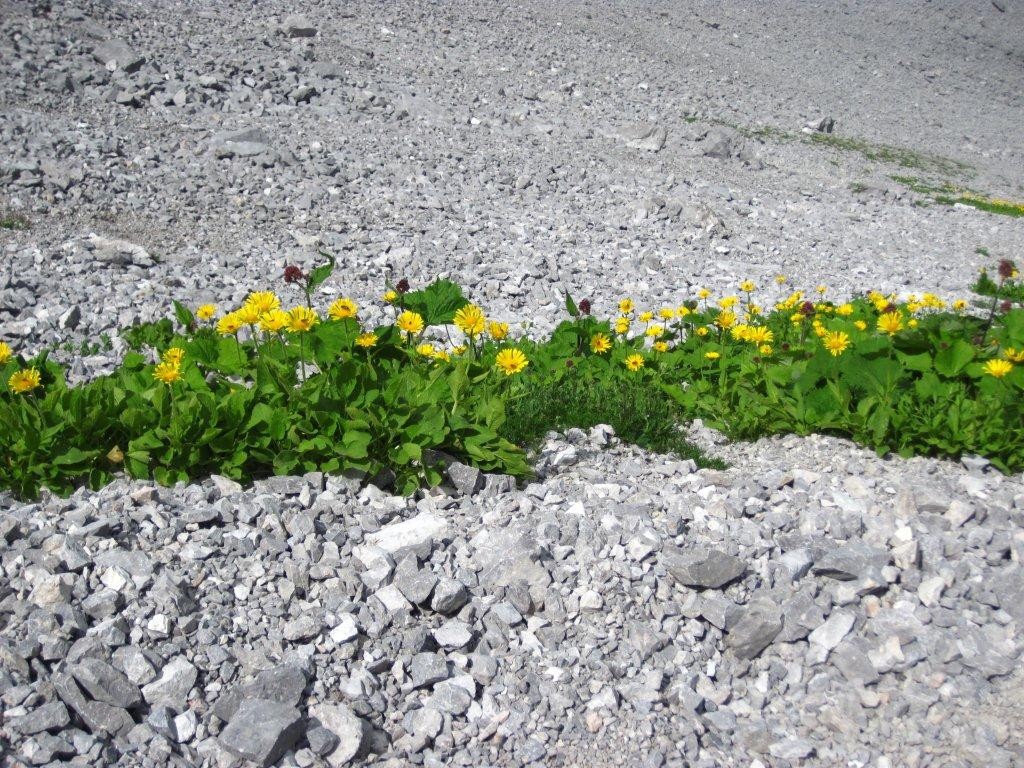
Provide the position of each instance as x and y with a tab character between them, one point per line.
248	314
262	302
622	325
728	302
725	319
634	362
390	296
702	331
274	321
739	332
646	317
890	323
510	361
600	343
655	330
24	380
206	312
229	325
780	279
168	373
844	310
626	307
959	305
442	355
174	356
998	368
426	349
302	319
5	353
703	293
342	309
759	335
660	346
470	320
683	311
497	331
836	342
712	355
410	322
765	349
366	340
912	322
822	289
796	318
754	310
747	286
666	313
1014	355
459	350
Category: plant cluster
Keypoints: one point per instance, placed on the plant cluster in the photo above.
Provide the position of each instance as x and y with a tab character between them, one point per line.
266	389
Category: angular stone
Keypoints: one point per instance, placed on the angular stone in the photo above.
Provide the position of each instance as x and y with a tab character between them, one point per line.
414	582
702	567
761	622
645	136
298	26
100	718
350	730
106	684
428	668
853	560
466	479
419	531
284	684
173	686
449	596
262	731
303	628
453	634
833	630
117	54
508	556
49	717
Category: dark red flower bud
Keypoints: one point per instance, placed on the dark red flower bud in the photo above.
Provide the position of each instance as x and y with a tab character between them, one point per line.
807	308
292	274
569	363
1006	269
585	307
403	286
890	308
785	346
1006	306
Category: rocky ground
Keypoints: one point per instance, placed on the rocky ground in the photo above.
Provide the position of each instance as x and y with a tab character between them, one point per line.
812	605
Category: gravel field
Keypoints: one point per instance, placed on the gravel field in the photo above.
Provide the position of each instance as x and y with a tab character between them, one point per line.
812	605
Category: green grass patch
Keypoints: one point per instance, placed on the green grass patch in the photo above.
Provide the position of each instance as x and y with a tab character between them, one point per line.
946	193
14	221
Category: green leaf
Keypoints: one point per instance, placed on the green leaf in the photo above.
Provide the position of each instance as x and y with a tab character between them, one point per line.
319	274
437	303
954	358
570	306
184	315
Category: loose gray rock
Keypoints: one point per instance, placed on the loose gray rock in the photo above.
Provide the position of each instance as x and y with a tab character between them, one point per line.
262	731
702	567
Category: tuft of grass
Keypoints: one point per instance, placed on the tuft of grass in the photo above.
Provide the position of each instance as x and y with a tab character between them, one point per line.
947	194
885	153
14	221
639	415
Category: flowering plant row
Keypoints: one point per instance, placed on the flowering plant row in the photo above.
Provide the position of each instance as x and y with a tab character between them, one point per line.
265	388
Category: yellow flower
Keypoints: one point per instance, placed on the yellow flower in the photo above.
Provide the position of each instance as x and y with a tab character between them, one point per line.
666	313
390	296
470	320
24	380
410	322
301	319
626	307
262	302
728	302
459	350
844	310
890	323
759	335
655	330
796	318
860	325
366	340
646	317
5	353
622	325
702	331
510	361
765	349
634	362
1013	355
206	311
747	286
712	355
229	325
498	331
168	373
725	319
173	356
994	368
442	355
683	311
739	332
600	343
342	309
754	309
959	305
912	323
426	349
836	342
703	293
780	279
248	314
660	346
274	320
822	289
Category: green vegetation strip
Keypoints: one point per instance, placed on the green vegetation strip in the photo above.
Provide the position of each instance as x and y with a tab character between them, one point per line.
262	390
